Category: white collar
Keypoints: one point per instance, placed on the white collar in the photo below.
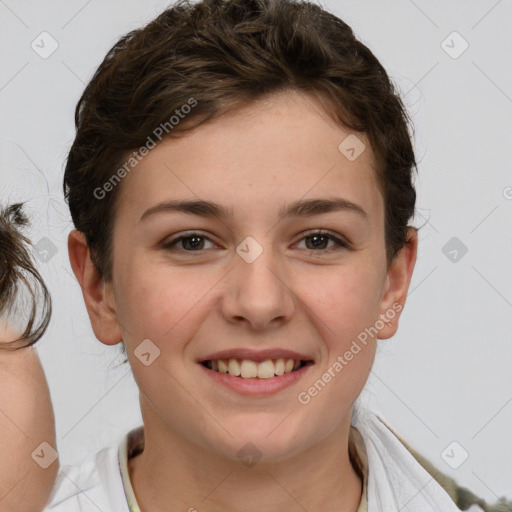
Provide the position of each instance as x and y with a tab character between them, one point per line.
395	480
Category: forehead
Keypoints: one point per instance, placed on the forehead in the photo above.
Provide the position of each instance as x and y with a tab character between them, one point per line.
256	160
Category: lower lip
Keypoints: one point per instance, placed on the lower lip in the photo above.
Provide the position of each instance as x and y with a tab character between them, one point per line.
256	386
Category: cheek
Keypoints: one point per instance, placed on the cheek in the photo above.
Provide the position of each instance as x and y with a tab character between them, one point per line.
346	300
346	307
158	302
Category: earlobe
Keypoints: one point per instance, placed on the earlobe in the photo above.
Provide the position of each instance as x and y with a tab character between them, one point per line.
397	283
96	292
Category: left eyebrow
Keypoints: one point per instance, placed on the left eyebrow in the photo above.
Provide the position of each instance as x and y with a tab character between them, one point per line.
301	208
310	207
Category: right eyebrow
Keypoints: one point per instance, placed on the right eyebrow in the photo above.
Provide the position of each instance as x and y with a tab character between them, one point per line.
200	208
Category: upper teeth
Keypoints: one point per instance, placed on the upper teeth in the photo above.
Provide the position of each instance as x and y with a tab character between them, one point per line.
249	369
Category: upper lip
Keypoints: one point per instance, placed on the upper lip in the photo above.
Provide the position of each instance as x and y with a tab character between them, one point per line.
256	355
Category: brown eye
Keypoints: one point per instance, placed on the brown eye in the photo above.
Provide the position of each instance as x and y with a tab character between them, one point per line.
319	239
193	242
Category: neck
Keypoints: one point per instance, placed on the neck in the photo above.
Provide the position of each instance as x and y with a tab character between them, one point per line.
173	470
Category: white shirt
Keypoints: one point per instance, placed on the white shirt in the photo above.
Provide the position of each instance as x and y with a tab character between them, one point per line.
393	477
102	482
94	485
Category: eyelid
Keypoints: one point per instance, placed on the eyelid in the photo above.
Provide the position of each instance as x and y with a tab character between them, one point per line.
186	234
340	241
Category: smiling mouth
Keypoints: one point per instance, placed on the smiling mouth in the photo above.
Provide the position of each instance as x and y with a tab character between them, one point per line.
247	369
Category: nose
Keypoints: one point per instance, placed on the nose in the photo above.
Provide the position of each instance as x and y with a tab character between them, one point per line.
259	293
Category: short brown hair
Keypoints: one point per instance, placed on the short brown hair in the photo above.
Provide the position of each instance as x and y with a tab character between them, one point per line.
19	279
225	54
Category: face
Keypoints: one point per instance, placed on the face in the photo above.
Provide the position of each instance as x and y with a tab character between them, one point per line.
25	398
253	284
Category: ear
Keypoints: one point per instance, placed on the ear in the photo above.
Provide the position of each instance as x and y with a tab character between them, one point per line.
396	286
98	295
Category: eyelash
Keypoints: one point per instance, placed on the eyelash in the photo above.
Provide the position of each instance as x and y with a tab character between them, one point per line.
170	245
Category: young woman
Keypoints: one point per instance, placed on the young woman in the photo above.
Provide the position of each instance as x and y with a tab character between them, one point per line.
241	187
27	447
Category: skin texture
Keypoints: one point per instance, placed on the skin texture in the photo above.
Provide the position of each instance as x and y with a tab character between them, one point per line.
26	421
293	296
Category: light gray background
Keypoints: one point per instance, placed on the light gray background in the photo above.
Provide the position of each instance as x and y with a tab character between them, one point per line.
446	375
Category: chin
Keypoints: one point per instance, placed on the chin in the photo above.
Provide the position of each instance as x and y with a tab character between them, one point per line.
251	441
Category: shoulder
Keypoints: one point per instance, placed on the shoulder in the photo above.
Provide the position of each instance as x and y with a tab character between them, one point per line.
95	484
397	471
461	496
